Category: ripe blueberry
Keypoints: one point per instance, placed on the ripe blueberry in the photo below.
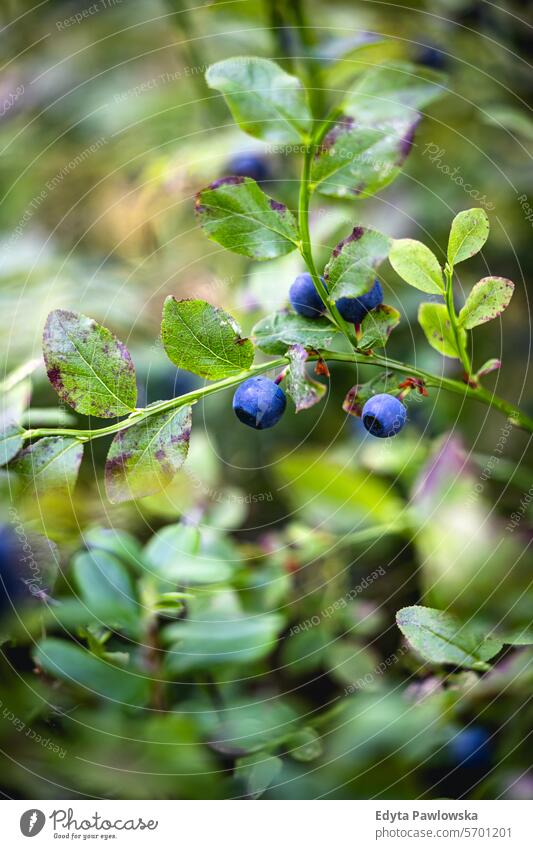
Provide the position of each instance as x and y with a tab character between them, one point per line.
432	57
384	415
11	583
259	402
355	309
470	747
305	298
249	165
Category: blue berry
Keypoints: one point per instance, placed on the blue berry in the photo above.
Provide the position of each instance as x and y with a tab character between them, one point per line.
355	309
259	402
305	298
470	747
432	57
11	582
384	415
249	165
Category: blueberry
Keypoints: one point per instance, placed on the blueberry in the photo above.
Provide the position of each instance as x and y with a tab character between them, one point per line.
384	415
470	747
259	402
355	309
432	57
11	582
249	165
305	298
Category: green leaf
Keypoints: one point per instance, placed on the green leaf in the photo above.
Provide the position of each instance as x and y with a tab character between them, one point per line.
180	554
304	391
118	542
104	584
362	173
391	91
417	265
10	441
144	458
441	637
336	166
352	268
213	639
386	100
89	368
277	332
52	463
264	100
377	326
204	339
487	300
99	677
305	745
237	214
468	234
435	323
259	771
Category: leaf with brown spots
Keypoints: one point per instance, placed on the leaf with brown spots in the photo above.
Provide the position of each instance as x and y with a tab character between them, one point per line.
204	339
487	300
90	369
304	391
50	464
352	268
143	459
237	214
377	326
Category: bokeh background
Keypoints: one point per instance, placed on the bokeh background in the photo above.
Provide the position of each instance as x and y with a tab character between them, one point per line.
107	130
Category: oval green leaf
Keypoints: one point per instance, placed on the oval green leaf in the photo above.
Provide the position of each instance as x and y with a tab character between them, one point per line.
89	368
264	100
417	265
80	668
277	332
441	637
204	339
468	234
237	214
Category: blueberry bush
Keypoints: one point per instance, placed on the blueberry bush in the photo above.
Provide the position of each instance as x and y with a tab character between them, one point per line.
365	640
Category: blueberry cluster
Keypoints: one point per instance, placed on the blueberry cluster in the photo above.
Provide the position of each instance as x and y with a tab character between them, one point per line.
306	300
260	403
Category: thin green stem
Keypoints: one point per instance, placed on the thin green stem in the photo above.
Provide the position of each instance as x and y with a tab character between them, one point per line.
459	337
480	394
306	249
